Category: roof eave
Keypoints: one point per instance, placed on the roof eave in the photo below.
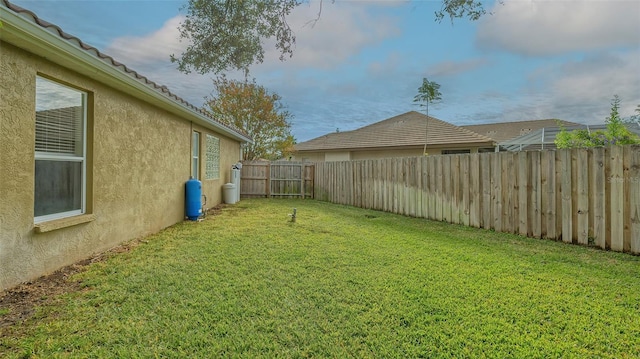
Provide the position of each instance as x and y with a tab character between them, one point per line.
384	148
22	33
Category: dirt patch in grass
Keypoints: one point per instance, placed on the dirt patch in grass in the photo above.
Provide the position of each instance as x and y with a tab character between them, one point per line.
18	304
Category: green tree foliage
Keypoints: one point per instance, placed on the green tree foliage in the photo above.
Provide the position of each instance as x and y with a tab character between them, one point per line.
471	9
257	111
615	134
228	35
428	92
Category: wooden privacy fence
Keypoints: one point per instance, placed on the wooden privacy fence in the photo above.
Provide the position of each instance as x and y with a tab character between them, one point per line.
276	179
584	196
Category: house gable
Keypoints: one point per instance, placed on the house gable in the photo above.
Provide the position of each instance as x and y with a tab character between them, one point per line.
408	130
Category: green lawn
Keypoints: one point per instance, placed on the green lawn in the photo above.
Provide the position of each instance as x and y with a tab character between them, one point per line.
340	282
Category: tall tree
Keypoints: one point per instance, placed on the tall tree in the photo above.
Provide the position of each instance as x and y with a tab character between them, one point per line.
428	92
228	35
257	111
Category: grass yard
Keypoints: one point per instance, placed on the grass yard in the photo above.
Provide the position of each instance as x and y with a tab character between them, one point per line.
340	282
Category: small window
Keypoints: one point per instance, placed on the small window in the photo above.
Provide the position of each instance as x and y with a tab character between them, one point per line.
485	150
212	170
455	152
60	151
195	162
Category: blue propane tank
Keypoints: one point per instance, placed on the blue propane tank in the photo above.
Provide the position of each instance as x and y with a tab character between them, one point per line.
193	196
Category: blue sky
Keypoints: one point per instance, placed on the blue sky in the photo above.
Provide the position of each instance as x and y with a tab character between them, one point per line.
363	61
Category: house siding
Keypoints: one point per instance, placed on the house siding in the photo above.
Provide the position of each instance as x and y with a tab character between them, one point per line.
372	154
138	161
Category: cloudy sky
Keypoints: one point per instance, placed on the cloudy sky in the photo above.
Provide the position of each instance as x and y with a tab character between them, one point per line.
363	60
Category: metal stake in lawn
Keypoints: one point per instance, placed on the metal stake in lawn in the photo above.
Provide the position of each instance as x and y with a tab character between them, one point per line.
293	215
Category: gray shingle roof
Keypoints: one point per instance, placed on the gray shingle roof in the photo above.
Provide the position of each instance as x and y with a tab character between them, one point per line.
405	130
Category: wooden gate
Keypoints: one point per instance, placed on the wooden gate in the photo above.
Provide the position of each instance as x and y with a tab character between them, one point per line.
281	179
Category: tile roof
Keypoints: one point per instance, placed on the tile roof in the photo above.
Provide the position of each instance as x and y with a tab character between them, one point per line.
504	131
405	130
57	31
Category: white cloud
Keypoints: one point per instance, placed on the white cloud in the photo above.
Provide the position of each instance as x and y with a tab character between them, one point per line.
152	48
343	30
536	28
579	91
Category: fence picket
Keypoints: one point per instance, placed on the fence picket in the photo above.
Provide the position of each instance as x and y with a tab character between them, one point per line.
616	180
475	192
565	188
634	209
523	183
496	169
597	196
535	197
582	203
486	205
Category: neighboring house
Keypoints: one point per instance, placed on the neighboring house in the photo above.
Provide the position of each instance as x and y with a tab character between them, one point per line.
400	136
544	138
91	153
523	135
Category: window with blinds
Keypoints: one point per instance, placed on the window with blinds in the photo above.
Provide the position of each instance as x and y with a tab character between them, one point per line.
60	166
59	130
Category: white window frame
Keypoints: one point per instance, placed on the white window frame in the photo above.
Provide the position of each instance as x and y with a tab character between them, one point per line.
195	155
49	156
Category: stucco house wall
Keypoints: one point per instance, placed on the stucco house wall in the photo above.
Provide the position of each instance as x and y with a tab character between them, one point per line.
138	158
410	152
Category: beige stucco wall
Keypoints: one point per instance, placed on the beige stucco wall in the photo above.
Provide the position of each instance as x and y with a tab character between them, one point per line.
138	165
337	156
308	156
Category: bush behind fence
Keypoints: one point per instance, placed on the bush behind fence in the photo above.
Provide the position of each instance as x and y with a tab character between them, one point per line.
583	196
